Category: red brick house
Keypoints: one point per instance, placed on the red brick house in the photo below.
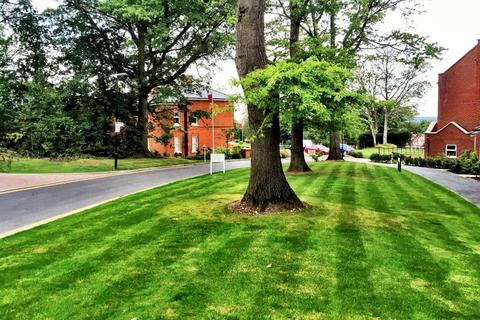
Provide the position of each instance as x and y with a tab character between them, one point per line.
457	128
189	133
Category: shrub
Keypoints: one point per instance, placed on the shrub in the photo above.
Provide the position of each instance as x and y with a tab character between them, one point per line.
5	164
468	159
284	153
384	158
430	162
235	155
476	169
6	160
457	167
355	154
448	163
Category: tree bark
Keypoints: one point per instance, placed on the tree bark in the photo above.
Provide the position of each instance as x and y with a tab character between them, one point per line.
297	157
143	92
374	136
142	123
335	136
385	126
335	140
268	189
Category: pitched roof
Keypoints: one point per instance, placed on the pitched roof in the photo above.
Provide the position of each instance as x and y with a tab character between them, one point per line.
203	95
466	54
431	127
459	127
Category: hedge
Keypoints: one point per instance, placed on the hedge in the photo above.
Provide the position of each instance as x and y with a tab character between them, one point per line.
400	138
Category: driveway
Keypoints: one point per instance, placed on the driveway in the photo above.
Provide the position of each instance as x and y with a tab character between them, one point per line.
467	188
25	209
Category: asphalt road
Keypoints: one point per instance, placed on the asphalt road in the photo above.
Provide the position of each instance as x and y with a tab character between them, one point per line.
19	210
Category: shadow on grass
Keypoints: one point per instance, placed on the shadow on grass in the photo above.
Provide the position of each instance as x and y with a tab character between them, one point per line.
354	290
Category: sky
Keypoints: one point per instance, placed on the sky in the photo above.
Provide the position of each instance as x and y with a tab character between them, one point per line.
452	24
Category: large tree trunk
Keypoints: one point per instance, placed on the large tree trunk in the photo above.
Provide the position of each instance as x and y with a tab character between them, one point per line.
143	92
297	158
385	126
268	189
142	123
335	140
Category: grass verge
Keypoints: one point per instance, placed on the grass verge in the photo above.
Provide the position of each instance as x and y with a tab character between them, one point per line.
374	243
90	165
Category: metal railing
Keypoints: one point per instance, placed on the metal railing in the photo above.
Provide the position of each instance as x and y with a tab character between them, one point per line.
412	152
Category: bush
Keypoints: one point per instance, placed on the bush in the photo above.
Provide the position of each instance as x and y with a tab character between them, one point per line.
448	163
5	164
468	160
457	167
467	163
236	155
6	157
355	154
476	169
284	153
383	158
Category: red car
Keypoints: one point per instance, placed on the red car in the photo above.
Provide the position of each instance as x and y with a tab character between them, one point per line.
316	148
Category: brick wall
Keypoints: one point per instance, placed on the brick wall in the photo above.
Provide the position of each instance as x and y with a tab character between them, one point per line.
459	92
436	143
203	130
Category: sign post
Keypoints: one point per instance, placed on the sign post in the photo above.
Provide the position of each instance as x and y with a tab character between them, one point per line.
219	158
210	99
118	127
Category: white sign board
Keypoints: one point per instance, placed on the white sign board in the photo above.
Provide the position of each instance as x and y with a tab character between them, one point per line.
118	126
219	158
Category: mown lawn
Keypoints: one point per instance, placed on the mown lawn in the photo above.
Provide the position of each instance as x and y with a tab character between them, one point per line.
375	243
90	165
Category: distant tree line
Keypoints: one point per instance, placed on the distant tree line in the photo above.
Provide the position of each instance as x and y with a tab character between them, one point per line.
67	73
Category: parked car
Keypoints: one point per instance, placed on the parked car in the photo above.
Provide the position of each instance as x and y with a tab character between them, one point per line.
344	148
317	148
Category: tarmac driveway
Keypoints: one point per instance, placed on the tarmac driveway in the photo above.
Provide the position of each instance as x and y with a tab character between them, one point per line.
25	209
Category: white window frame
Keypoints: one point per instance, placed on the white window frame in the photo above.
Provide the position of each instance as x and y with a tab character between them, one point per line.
450	150
194	145
194	123
176	115
177	145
